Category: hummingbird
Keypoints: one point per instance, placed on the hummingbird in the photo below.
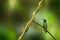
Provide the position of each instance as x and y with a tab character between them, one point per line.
45	25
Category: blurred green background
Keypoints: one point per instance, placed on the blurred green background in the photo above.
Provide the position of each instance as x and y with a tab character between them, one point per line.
14	15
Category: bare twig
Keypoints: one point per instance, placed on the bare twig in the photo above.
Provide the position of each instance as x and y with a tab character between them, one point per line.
30	21
51	35
47	30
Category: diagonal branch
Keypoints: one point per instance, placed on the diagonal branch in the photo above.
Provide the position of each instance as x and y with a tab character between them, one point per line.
51	35
47	30
30	21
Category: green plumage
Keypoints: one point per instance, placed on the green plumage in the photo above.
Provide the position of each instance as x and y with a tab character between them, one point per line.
44	25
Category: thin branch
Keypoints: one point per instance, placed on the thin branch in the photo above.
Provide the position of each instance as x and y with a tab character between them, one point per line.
51	35
30	21
47	30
